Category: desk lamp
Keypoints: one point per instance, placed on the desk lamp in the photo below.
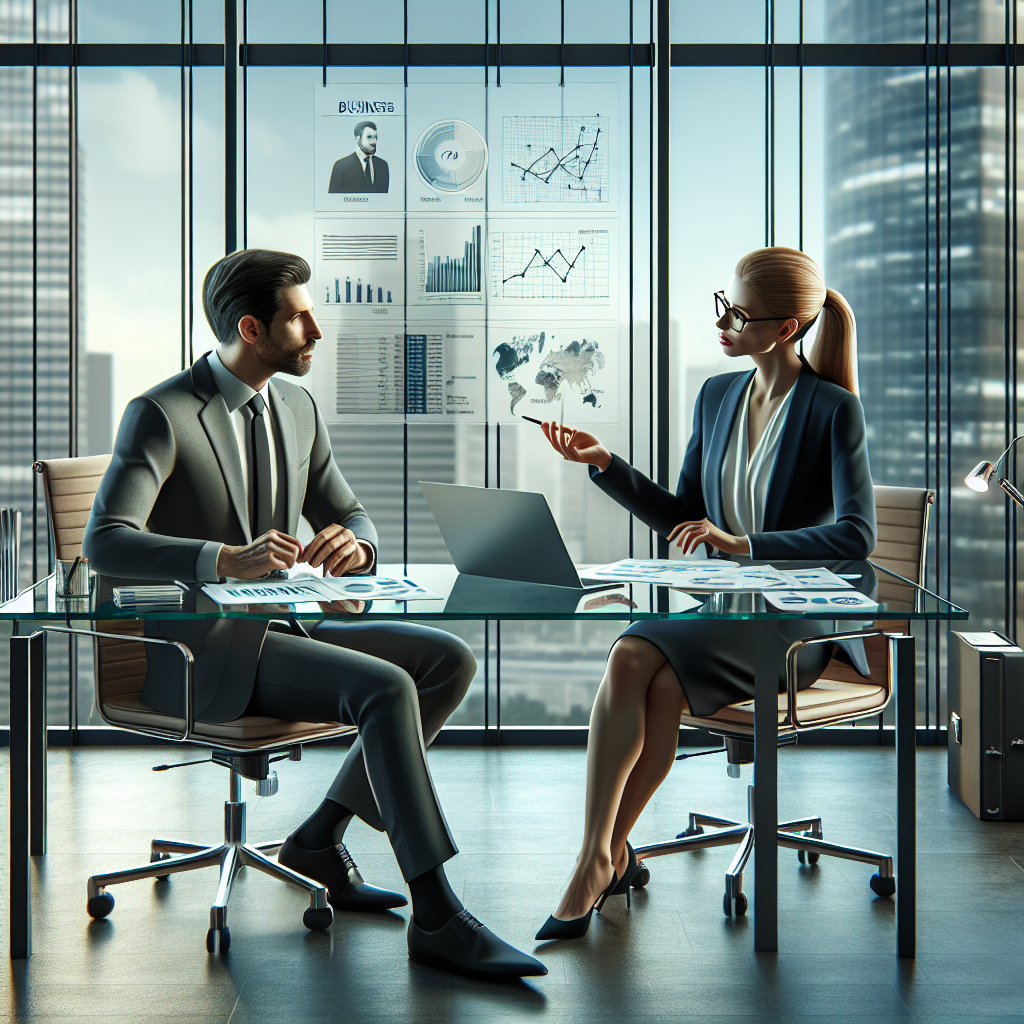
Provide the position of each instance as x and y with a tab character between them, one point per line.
979	477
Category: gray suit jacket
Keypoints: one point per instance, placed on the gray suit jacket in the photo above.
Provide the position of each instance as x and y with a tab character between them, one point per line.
175	482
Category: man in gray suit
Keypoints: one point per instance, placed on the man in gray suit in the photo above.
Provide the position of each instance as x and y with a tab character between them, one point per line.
210	472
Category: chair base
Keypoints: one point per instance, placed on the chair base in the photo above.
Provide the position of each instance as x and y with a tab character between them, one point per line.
234	853
803	835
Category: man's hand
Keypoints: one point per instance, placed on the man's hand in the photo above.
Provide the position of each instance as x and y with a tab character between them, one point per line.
336	548
577	445
274	550
703	530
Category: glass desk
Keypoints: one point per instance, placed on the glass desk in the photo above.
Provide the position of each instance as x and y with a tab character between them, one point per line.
38	610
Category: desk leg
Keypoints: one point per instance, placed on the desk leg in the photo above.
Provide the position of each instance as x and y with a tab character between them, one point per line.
766	797
37	749
903	669
26	667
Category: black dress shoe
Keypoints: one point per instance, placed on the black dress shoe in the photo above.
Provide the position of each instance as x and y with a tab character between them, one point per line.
335	869
465	945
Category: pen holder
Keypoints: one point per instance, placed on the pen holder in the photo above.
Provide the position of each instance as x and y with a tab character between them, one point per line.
10	552
72	577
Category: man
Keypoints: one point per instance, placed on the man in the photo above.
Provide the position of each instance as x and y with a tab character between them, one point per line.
210	472
363	170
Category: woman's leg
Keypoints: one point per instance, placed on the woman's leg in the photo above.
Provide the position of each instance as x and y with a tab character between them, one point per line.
666	701
617	730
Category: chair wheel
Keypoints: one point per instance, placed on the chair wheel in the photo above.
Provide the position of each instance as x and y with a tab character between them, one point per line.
155	858
697	830
317	919
882	886
807	857
740	907
100	906
641	878
218	940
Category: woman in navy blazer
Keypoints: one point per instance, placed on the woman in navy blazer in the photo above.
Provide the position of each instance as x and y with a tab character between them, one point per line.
805	493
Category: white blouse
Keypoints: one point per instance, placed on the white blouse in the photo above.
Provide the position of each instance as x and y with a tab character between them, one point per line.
746	476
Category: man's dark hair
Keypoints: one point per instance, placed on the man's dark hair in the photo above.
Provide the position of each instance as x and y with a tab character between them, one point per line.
363	124
248	283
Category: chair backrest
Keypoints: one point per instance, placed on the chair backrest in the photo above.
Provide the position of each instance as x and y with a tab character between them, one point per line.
902	514
70	486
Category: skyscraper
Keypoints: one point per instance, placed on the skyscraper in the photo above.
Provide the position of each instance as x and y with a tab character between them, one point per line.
888	136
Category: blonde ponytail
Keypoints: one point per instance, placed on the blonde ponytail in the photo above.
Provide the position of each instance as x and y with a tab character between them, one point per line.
791	284
834	355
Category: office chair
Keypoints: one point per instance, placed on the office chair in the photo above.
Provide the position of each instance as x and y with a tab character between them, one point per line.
841	695
246	746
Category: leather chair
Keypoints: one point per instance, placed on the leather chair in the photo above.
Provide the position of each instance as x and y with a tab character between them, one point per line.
841	695
246	746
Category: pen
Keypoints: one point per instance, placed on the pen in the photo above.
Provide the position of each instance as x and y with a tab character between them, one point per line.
530	419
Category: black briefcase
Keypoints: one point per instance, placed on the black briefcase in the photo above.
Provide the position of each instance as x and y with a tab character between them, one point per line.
986	724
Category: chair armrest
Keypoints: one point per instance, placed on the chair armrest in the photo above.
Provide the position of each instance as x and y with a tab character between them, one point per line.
792	655
183	650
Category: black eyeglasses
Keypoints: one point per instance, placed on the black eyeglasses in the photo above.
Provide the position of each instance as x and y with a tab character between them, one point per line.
739	320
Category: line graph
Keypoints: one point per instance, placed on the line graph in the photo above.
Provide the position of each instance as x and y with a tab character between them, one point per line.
555	159
549	265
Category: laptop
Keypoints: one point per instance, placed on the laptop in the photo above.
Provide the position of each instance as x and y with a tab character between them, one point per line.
506	535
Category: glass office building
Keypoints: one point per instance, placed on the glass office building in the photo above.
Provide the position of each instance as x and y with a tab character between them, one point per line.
848	128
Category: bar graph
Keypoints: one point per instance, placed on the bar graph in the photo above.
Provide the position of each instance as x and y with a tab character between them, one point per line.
348	292
447	274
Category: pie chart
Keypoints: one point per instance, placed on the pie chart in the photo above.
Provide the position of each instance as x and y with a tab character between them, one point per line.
450	155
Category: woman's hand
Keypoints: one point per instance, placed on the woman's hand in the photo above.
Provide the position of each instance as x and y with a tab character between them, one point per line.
577	445
704	531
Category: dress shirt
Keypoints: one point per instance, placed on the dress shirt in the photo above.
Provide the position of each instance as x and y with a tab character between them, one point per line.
745	474
363	158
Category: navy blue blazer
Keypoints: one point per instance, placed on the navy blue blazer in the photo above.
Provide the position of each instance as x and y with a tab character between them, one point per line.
820	502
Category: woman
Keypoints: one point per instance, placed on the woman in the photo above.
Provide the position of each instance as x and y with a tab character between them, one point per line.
776	468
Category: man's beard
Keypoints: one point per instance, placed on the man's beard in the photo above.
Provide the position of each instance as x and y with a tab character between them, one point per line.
271	355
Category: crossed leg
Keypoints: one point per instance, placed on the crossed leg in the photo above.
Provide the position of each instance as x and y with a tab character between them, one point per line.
634	730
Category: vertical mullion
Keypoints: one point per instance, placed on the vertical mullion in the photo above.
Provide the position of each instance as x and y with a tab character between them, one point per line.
663	367
948	538
405	305
245	123
1009	396
230	123
35	282
800	134
630	305
182	87
651	264
1014	518
927	318
73	306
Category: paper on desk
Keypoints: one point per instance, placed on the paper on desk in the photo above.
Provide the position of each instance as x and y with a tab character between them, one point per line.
815	579
307	587
819	601
658	571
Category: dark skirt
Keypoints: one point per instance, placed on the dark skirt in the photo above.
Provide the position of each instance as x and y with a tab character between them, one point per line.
714	659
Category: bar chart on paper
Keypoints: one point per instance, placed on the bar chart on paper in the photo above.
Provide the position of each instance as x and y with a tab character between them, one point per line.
358	270
388	373
549	265
450	262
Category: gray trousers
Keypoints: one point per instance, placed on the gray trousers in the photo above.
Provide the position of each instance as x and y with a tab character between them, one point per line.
398	683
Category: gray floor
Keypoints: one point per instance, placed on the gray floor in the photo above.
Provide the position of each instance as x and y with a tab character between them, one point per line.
517	816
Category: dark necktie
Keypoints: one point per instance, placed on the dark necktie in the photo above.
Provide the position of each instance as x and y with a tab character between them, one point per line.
259	468
366	172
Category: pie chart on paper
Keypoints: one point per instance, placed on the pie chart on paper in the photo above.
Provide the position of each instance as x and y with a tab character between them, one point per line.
450	155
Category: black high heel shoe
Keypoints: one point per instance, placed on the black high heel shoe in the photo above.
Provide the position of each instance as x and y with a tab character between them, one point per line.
575	927
629	873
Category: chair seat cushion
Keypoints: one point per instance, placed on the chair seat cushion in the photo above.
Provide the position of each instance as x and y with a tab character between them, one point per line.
826	698
129	710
